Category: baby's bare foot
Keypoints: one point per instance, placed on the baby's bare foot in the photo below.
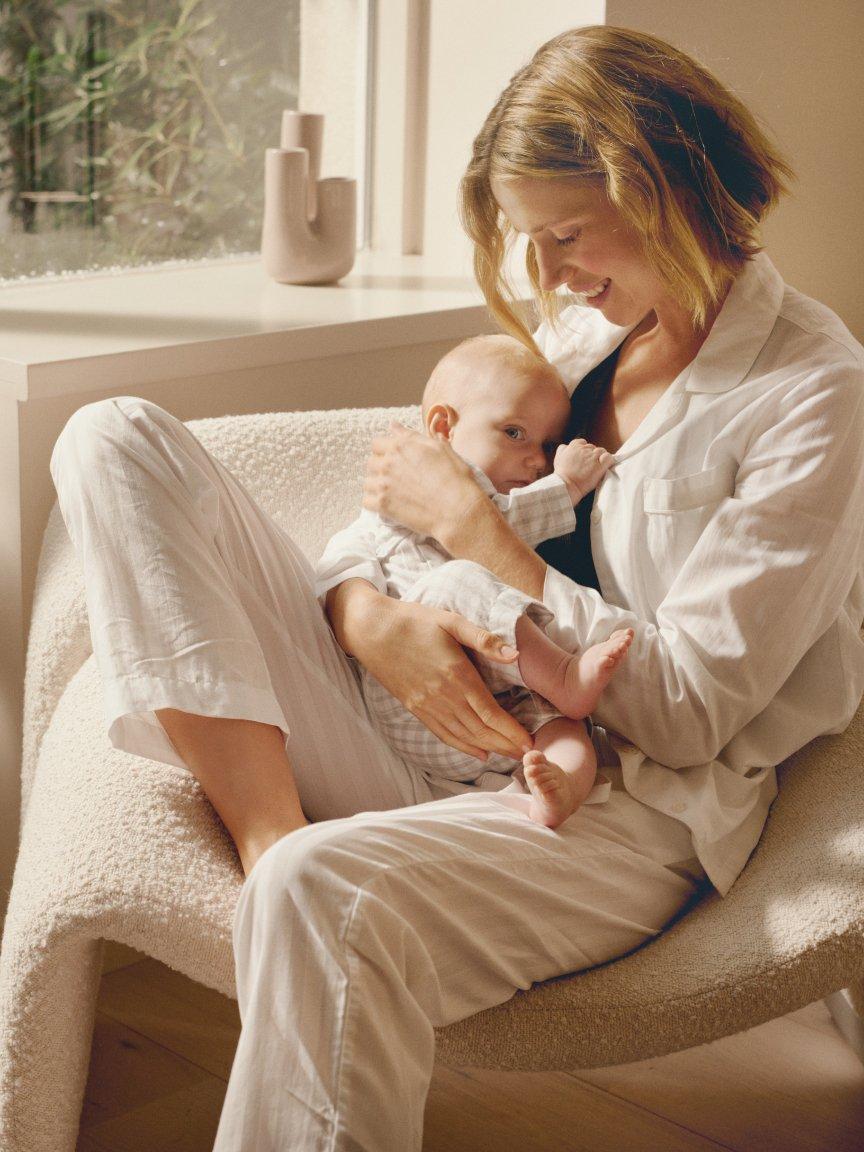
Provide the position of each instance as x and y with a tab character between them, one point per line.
553	797
590	671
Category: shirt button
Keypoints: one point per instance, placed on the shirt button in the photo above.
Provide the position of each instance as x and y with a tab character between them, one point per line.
596	515
677	808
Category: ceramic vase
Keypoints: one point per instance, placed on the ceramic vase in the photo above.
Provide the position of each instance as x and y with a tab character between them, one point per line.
309	234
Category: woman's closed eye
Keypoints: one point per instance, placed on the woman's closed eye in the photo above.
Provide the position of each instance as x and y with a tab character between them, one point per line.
561	240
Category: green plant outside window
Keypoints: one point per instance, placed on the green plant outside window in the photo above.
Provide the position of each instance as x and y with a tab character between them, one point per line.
134	131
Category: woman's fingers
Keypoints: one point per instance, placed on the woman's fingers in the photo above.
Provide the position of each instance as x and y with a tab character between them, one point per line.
472	636
496	729
469	719
489	725
452	735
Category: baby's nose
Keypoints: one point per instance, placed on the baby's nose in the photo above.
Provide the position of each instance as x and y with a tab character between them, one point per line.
536	457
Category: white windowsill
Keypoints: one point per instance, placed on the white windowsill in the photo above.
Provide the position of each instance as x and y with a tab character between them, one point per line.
150	325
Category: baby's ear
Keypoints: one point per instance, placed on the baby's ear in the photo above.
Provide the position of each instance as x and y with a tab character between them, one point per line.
440	421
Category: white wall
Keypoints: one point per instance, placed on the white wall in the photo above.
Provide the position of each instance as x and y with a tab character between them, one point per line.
798	66
329	35
474	49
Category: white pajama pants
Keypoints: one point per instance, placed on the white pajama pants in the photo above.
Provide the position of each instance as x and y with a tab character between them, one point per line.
397	911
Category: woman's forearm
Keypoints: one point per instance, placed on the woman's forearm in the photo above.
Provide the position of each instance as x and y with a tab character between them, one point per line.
355	609
484	536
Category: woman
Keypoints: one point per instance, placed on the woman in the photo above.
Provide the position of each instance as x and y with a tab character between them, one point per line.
728	536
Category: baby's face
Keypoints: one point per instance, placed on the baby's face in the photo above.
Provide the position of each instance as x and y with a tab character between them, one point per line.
511	428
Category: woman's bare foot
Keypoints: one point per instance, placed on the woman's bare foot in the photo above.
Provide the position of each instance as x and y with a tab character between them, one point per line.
553	797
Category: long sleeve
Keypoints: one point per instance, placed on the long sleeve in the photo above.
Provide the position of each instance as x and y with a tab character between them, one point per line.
539	511
349	554
536	512
769	574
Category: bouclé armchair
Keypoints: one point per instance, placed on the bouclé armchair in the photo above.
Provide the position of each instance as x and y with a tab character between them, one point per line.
117	847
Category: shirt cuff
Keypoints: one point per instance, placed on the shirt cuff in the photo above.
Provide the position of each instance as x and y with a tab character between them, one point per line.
560	503
365	570
570	605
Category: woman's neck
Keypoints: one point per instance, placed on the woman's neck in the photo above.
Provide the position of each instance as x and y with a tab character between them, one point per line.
667	331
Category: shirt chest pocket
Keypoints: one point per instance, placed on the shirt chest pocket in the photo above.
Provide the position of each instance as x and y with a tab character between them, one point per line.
677	512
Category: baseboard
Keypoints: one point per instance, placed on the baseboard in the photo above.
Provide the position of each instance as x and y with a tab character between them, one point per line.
847	1020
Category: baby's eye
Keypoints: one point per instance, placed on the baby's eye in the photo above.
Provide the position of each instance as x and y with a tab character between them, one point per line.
567	239
514	433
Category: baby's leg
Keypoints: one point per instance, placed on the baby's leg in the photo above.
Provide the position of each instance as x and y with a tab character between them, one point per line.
572	682
560	770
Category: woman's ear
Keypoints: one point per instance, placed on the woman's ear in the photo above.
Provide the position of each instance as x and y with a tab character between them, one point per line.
440	421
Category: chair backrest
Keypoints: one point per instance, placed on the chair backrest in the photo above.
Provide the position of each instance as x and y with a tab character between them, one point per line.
304	468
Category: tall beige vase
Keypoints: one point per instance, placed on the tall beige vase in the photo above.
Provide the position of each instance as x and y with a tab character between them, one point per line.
309	234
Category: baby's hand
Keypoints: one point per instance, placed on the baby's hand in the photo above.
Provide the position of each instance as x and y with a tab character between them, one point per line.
581	466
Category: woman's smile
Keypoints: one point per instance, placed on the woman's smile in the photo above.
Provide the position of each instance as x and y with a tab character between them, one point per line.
592	296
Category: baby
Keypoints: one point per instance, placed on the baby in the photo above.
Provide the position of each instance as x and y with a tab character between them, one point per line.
505	412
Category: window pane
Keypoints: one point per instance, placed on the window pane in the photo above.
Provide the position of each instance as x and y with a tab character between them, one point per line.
134	131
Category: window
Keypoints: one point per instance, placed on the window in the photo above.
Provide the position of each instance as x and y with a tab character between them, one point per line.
133	132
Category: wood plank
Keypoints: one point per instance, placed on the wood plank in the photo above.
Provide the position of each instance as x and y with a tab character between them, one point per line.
195	1022
129	1071
785	1086
473	1110
164	1045
182	1121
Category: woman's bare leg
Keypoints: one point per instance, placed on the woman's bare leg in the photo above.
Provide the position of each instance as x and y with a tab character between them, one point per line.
244	770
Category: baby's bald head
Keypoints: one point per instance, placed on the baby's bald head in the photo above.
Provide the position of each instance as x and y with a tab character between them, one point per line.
487	362
501	407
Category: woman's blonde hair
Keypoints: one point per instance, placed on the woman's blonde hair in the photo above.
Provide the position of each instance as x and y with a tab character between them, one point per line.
681	158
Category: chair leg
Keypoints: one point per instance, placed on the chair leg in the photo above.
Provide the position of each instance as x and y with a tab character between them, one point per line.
847	1009
47	1008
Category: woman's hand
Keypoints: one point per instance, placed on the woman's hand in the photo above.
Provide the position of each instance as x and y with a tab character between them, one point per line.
417	653
419	482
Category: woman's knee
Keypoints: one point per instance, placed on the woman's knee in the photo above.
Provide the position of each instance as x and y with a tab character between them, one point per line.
90	433
95	433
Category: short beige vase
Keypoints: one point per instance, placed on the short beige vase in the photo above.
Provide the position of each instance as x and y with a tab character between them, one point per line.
309	234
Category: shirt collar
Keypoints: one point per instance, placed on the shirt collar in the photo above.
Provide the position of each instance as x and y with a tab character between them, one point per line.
741	328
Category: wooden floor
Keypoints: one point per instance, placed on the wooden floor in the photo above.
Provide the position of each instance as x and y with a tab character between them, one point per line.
163	1048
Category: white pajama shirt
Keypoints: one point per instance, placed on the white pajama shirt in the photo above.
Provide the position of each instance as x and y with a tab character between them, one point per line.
728	535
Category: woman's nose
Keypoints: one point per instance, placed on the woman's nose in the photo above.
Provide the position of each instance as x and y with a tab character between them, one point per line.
551	270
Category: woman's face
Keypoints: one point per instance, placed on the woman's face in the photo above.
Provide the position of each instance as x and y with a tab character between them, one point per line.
581	240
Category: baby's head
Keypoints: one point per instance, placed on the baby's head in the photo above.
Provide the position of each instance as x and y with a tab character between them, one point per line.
501	407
